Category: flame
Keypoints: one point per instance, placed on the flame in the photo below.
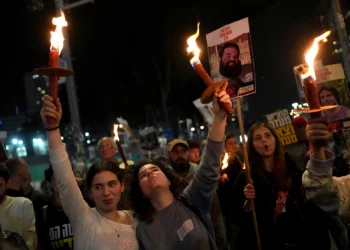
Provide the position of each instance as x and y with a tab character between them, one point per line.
192	46
57	38
225	161
115	131
311	54
243	166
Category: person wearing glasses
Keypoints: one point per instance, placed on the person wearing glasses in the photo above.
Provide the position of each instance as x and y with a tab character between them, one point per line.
108	148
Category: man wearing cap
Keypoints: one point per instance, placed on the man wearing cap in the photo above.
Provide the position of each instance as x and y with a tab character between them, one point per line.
178	151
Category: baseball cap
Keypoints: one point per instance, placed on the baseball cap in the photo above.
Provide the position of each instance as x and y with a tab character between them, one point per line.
175	142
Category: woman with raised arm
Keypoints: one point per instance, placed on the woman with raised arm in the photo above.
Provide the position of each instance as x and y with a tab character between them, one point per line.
170	217
102	227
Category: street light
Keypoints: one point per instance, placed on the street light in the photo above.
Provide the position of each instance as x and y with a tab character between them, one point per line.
202	127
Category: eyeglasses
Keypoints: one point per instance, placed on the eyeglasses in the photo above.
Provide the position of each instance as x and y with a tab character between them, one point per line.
105	147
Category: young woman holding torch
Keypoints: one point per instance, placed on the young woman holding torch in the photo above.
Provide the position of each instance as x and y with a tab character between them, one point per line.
286	220
102	227
170	217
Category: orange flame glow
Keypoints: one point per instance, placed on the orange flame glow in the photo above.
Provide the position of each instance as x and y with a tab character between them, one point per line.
225	162
115	131
311	54
192	46
57	38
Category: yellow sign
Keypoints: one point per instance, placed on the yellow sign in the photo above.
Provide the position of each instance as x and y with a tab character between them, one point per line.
282	123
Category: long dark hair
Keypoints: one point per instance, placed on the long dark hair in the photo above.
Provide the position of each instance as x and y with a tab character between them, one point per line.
136	199
279	170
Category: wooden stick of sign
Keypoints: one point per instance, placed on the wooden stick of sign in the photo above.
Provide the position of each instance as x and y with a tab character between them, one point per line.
247	167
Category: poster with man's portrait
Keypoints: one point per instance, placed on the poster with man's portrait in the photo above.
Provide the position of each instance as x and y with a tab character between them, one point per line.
231	58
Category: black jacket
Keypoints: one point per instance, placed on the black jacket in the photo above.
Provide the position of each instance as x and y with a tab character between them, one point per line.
224	188
301	226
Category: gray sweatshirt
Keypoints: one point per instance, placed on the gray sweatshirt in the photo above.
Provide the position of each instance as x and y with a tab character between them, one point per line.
187	227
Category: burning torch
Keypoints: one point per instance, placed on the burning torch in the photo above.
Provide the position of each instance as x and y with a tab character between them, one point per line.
308	77
120	148
54	72
212	87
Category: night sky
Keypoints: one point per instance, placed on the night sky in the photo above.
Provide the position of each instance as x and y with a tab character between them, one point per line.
115	45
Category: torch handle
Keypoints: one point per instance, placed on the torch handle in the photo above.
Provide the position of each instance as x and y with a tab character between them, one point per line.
227	107
53	87
53	92
311	92
121	152
203	74
209	82
53	84
54	59
318	118
247	171
250	204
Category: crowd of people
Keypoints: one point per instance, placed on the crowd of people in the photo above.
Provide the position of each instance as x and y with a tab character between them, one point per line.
183	200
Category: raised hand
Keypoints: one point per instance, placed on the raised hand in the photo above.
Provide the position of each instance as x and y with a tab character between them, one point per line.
317	133
52	110
221	97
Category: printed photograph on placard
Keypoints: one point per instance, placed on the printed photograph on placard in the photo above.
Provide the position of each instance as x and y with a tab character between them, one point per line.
231	58
333	90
